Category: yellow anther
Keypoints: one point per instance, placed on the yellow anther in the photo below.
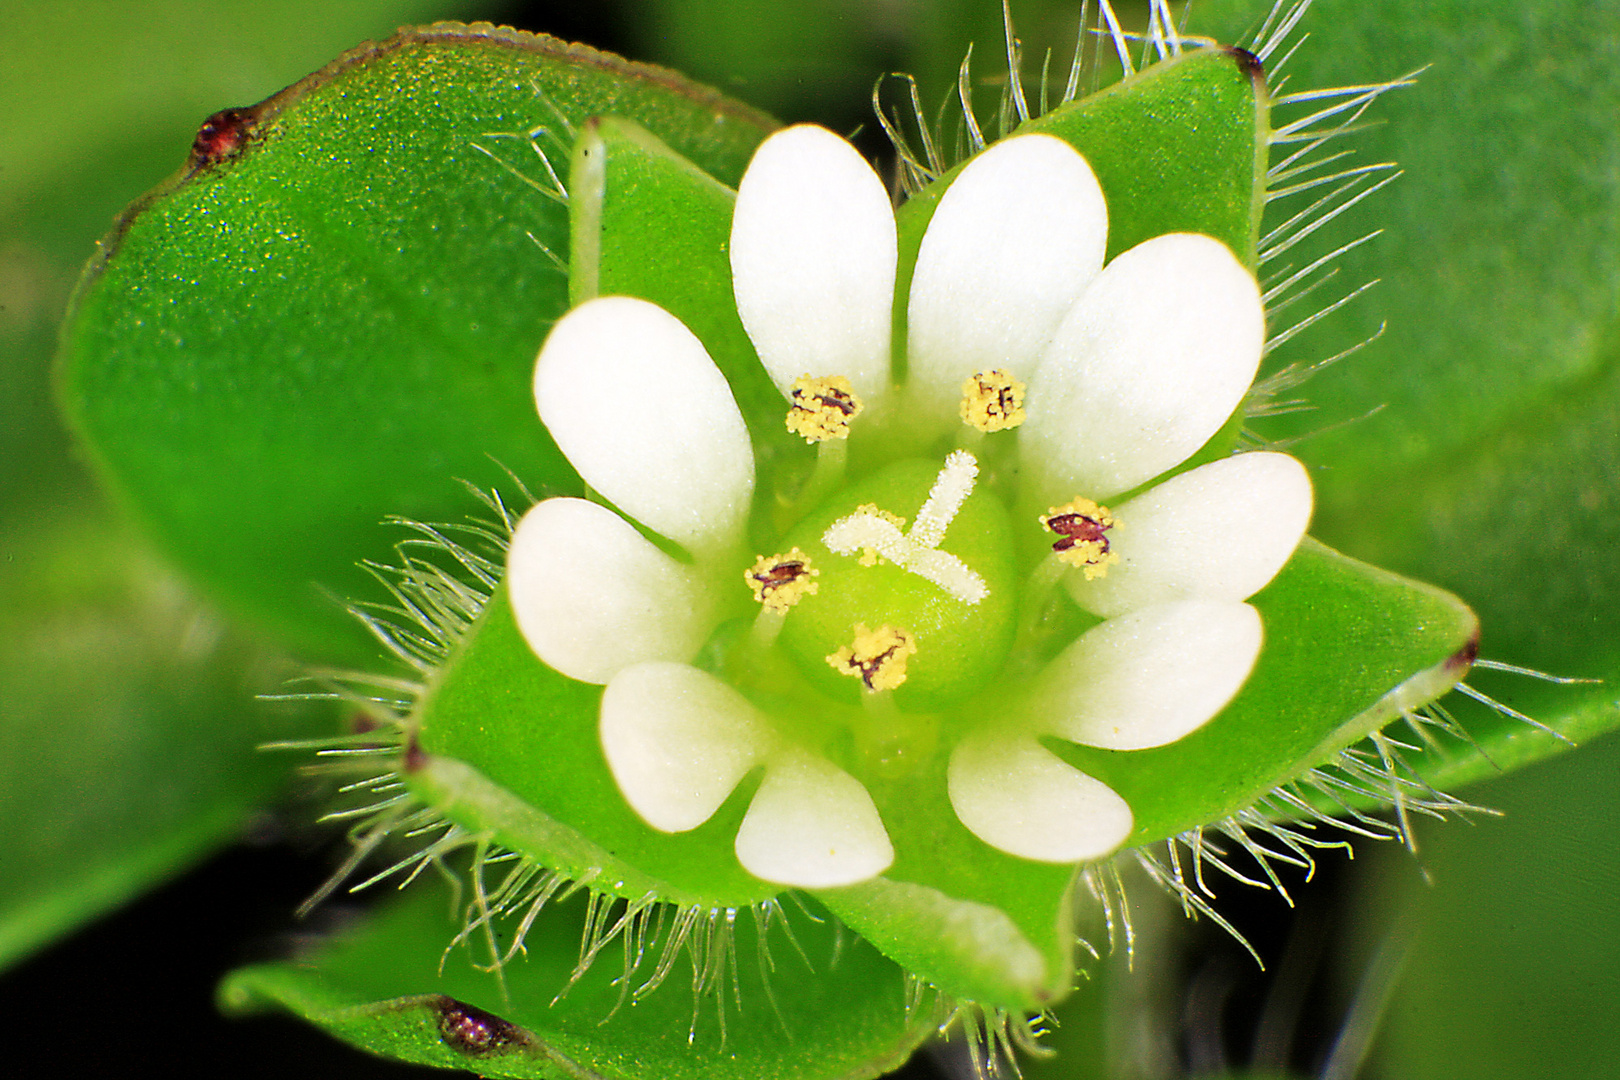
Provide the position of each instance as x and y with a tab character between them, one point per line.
876	657
992	401
780	581
822	408
870	555
1082	527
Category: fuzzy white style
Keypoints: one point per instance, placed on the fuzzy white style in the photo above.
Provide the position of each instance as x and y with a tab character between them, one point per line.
1131	368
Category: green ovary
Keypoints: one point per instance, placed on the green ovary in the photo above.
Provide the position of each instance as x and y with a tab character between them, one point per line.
960	646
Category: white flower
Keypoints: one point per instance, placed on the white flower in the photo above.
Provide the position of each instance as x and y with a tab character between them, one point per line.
1131	368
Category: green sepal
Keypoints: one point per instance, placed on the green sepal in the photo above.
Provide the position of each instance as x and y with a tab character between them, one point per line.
1179	147
512	747
647	222
331	315
972	920
838	1011
522	758
1347	648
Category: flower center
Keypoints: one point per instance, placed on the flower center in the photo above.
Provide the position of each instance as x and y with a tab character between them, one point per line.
876	533
925	611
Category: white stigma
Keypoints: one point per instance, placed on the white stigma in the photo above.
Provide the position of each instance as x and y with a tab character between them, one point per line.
917	550
945	498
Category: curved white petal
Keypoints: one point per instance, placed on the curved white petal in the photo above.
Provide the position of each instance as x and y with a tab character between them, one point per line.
1217	532
812	260
812	825
678	741
593	596
1151	677
1016	795
640	410
1150	362
1015	240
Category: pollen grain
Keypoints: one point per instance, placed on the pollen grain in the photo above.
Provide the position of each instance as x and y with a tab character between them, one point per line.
780	581
876	657
822	408
992	401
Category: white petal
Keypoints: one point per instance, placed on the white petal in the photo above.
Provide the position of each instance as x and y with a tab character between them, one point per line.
1016	795
593	596
1217	532
812	825
1015	240
678	741
812	260
633	399
1151	361
1148	678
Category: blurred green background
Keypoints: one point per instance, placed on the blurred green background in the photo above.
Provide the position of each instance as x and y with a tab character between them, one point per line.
127	726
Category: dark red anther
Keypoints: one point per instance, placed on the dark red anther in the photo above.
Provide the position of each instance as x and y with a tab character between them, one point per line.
781	573
832	398
1076	528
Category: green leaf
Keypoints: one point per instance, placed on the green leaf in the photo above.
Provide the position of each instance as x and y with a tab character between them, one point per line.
1489	466
1512	963
175	62
837	1010
126	738
336	320
128	730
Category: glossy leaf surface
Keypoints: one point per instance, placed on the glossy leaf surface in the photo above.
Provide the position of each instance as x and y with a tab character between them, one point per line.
127	729
332	315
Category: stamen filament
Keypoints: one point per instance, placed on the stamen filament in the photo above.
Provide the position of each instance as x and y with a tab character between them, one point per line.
824	479
1043	580
766	629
